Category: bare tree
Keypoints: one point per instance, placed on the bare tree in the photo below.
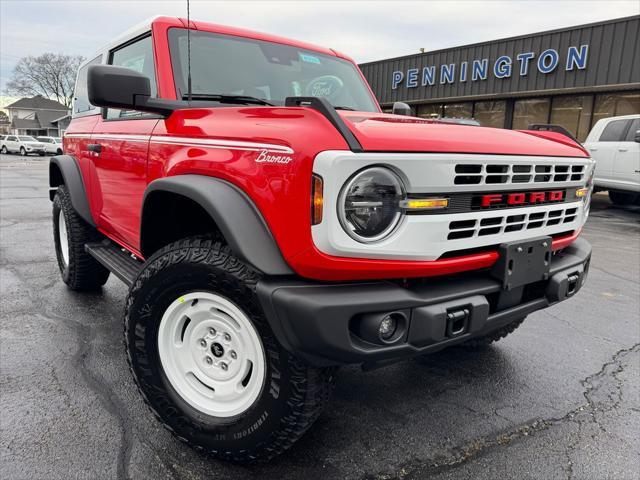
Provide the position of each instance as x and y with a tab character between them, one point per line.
50	75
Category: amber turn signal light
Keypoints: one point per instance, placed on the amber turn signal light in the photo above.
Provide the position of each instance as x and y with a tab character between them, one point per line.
582	192
317	201
424	203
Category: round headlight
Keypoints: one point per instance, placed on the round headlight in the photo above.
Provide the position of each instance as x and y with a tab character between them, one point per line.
368	206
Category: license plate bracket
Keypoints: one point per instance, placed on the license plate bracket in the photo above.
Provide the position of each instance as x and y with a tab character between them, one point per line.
524	262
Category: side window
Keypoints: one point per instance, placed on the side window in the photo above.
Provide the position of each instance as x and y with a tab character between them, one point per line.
11	139
614	131
81	97
631	134
137	56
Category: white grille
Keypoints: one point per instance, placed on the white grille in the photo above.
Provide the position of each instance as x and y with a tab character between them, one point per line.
495	174
510	222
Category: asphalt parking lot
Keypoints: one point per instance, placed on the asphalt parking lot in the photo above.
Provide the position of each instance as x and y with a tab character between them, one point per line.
560	398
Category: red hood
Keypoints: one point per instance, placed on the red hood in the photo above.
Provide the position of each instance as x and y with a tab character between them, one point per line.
383	132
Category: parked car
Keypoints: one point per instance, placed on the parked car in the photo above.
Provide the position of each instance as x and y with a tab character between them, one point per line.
614	143
22	144
52	144
273	224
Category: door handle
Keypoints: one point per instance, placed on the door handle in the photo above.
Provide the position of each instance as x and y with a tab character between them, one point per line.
622	149
94	147
593	149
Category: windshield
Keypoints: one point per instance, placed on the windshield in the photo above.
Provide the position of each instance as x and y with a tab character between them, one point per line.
227	65
27	139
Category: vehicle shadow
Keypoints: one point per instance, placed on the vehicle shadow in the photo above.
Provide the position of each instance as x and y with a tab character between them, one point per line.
416	408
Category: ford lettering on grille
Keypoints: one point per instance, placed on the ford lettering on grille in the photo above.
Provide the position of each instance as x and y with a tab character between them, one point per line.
521	198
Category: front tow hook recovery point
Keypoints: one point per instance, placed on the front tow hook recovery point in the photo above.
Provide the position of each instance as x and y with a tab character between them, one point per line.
457	322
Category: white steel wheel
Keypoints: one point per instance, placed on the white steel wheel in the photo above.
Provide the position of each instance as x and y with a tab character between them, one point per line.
211	354
64	238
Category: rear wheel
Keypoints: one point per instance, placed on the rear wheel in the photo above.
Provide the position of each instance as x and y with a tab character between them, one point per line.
206	361
79	270
482	342
4	150
618	197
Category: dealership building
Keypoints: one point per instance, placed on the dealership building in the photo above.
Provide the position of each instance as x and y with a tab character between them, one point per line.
571	77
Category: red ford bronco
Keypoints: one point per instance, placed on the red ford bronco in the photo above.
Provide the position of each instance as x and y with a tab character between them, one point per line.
272	224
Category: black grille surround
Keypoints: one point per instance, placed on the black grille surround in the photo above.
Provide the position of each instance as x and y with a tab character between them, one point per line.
465	202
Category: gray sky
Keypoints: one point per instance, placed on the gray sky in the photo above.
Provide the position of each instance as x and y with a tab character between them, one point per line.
365	30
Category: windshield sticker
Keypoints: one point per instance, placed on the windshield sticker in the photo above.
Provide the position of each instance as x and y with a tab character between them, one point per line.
309	58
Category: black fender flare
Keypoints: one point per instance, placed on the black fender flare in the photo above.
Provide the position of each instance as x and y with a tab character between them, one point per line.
234	213
70	175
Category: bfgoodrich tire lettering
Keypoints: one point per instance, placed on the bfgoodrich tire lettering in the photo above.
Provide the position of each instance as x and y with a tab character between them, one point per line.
293	394
79	270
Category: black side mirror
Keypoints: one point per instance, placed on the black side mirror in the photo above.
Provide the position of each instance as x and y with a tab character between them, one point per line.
636	137
401	108
117	87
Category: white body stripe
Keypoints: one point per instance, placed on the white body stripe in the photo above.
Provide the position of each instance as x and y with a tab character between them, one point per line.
188	142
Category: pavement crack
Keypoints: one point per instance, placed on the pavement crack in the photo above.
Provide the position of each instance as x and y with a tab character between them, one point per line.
109	401
600	396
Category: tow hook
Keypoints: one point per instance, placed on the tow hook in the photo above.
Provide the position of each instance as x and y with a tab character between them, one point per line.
457	322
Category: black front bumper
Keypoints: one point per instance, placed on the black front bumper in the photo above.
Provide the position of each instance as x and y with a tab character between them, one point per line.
319	322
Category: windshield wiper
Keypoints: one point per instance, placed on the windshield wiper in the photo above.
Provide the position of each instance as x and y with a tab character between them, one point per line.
243	99
341	107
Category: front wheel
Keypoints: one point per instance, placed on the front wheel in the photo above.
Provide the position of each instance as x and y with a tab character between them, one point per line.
206	361
618	197
23	152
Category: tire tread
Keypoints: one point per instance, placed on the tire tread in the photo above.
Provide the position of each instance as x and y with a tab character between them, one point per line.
312	387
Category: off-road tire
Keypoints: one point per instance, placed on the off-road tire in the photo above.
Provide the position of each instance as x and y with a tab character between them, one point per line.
483	342
623	198
83	271
293	393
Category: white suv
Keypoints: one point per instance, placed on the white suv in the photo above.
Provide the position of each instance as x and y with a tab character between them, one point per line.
52	144
614	143
23	144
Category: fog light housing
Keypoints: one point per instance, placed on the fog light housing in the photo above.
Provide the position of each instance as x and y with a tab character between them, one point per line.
387	327
383	328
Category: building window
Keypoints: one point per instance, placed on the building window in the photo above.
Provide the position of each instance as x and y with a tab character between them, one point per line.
532	110
573	112
490	114
430	110
458	110
616	104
